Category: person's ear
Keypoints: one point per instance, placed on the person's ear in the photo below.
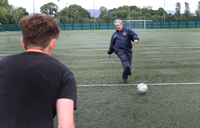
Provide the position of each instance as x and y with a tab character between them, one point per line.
52	44
51	47
22	42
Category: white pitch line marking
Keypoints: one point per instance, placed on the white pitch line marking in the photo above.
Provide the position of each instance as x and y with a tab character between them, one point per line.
99	85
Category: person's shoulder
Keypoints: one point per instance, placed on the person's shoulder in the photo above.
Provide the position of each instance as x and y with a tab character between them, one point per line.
113	35
58	63
44	59
127	29
115	32
52	61
10	57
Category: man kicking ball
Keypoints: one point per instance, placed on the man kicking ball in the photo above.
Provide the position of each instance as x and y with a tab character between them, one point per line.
121	44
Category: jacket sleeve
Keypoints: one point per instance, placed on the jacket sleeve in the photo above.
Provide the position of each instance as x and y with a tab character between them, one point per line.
133	35
111	49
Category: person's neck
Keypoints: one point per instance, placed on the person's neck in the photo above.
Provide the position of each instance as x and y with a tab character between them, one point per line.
35	50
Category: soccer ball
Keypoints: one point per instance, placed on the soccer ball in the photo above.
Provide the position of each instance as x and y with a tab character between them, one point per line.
142	88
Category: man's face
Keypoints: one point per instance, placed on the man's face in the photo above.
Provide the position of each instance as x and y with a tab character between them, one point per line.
118	26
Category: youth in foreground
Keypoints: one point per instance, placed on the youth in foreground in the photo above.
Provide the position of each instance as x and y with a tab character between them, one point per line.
35	87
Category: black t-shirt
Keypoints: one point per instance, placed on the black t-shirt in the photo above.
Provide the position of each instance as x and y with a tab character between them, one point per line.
30	84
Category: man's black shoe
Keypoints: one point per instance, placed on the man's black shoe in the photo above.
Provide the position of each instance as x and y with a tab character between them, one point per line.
125	81
128	70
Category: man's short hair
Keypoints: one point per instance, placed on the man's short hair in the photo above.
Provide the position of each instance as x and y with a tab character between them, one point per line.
118	20
38	30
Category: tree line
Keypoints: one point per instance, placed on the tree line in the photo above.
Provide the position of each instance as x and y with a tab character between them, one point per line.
10	14
124	12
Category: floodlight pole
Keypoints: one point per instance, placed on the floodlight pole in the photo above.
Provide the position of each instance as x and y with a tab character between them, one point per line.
164	14
47	7
33	6
140	17
129	13
94	14
75	18
66	14
58	11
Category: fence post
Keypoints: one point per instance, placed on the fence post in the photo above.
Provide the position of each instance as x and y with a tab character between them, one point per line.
160	25
178	23
195	24
99	26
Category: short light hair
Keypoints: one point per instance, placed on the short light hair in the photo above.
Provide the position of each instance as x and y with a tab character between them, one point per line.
118	20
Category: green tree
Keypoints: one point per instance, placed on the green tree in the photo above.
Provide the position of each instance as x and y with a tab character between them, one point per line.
4	12
103	11
148	7
147	15
14	15
122	14
103	8
135	15
9	14
198	9
178	9
107	18
157	18
22	12
173	18
187	9
152	12
4	15
75	12
114	14
49	8
4	3
134	8
182	18
76	9
160	11
123	8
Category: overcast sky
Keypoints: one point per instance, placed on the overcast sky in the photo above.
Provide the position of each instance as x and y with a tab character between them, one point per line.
109	4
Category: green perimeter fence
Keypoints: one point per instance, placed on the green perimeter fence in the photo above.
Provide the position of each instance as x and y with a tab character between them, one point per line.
106	26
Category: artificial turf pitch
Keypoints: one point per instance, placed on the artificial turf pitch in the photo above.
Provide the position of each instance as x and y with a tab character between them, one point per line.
162	56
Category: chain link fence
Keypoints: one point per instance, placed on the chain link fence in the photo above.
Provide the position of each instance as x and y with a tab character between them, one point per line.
107	26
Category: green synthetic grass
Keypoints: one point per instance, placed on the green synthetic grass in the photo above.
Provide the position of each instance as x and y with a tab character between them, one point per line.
122	107
161	56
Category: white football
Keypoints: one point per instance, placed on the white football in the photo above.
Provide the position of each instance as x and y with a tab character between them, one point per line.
142	88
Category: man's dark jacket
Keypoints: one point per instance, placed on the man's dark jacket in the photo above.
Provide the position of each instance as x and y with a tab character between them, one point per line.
121	40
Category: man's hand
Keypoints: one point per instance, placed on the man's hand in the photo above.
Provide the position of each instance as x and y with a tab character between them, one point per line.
136	41
109	55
